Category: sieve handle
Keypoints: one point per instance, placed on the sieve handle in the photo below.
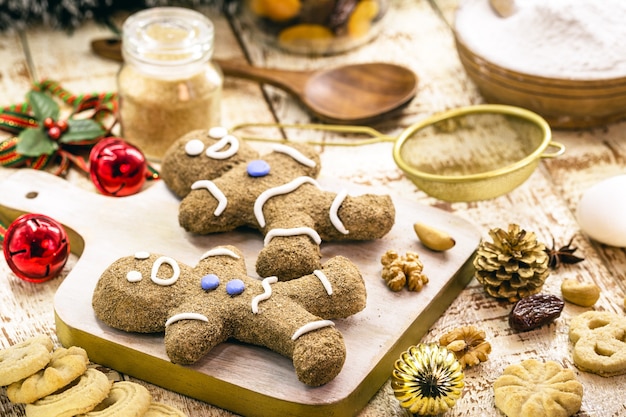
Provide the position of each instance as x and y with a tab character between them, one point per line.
559	150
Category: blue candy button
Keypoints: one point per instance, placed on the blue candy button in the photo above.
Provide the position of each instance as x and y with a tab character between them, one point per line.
235	287
258	168
210	282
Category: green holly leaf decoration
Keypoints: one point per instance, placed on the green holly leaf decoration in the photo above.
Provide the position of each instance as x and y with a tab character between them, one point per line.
43	106
35	142
81	130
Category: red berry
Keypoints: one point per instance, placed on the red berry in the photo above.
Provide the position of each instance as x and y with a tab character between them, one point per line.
48	122
54	132
62	124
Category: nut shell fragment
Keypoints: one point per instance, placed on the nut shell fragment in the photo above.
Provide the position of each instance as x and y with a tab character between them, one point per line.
468	345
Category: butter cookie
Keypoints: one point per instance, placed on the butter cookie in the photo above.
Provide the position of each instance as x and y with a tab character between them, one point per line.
126	399
65	366
24	359
538	389
90	390
599	339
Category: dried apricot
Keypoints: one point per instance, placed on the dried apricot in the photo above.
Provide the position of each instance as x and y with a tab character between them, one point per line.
360	22
311	36
276	10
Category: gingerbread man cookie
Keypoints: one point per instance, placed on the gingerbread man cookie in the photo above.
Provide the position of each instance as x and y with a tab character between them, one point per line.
225	186
202	306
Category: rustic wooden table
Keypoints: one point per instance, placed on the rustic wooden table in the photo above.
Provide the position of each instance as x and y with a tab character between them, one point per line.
417	35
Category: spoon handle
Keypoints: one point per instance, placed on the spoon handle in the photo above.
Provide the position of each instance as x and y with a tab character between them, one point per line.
292	81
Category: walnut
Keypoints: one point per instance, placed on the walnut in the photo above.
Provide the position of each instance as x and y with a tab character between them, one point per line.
401	271
468	344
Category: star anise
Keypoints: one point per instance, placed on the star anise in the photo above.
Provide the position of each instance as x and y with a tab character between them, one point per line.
562	255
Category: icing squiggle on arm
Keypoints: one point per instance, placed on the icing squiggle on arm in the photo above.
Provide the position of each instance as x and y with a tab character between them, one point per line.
186	316
295	231
281	189
155	269
267	286
219	252
295	154
222	202
334	208
311	326
324	280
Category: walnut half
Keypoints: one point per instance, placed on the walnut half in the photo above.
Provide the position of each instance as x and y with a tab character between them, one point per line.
400	271
468	344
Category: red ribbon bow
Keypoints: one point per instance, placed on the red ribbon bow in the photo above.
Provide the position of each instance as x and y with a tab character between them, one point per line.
16	118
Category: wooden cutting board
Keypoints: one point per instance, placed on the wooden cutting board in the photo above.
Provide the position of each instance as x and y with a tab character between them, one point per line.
248	380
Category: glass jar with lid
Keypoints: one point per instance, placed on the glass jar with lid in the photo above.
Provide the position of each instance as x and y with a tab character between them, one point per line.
168	85
315	27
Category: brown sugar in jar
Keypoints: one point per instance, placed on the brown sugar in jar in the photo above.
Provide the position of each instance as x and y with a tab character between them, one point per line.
168	85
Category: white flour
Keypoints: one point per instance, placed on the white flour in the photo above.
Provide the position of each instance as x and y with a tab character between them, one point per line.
570	39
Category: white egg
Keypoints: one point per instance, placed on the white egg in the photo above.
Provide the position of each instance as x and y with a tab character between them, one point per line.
601	211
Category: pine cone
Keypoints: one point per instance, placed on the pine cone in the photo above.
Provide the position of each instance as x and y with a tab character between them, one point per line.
514	266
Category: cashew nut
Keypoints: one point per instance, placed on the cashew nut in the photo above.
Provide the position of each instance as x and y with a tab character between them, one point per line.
584	294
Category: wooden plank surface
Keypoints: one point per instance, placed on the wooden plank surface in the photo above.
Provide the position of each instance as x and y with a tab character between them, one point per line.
417	35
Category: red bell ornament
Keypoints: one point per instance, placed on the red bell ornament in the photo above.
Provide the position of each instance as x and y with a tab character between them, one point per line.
36	247
117	168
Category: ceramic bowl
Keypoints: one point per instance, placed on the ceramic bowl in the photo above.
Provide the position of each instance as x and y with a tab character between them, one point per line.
564	103
476	152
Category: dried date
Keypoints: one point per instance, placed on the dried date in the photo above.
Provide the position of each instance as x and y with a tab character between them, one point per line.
341	13
317	11
535	311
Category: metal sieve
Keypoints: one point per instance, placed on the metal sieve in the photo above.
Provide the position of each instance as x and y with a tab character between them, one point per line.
466	154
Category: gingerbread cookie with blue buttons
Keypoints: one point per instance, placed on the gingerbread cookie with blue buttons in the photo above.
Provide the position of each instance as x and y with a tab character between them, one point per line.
225	184
200	307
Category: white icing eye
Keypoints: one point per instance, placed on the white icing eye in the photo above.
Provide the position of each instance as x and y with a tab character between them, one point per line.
217	132
194	147
133	276
142	255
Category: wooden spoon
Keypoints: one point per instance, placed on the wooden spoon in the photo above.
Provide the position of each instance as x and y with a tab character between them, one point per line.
356	93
